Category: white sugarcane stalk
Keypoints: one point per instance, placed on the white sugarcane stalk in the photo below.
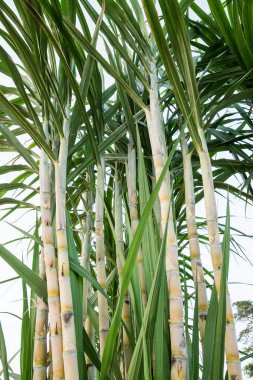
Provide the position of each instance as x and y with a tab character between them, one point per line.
50	366
85	262
40	337
157	207
126	313
159	153
67	312
197	268
231	347
103	312
90	366
134	216
50	264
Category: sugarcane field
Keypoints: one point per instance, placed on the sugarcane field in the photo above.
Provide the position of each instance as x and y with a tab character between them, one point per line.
126	189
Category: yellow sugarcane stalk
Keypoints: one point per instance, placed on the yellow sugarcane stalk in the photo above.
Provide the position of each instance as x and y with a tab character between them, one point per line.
159	153
103	312
50	264
134	216
197	268
231	347
67	312
126	313
40	337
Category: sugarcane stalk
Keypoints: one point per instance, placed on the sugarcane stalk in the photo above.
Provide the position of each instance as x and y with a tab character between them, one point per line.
90	366
157	207
67	312
231	347
134	216
159	153
50	365
85	262
126	313
197	268
103	314
50	264
40	337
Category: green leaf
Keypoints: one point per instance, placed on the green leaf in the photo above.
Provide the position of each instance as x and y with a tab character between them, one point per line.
115	43
247	22
147	330
4	187
34	237
4	169
195	339
85	83
27	275
17	117
65	64
149	245
12	139
33	297
85	44
26	363
9	279
113	137
77	294
242	44
90	351
3	355
222	20
4	201
82	272
171	69
210	332
14	73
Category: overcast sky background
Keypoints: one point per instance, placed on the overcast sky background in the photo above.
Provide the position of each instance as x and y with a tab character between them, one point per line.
240	274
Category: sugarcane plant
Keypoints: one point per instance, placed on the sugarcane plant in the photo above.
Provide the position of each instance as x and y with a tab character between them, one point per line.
119	119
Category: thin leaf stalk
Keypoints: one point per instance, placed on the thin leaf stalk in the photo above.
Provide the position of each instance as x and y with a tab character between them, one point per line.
231	346
50	264
196	263
126	312
134	215
67	312
159	153
103	313
40	336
